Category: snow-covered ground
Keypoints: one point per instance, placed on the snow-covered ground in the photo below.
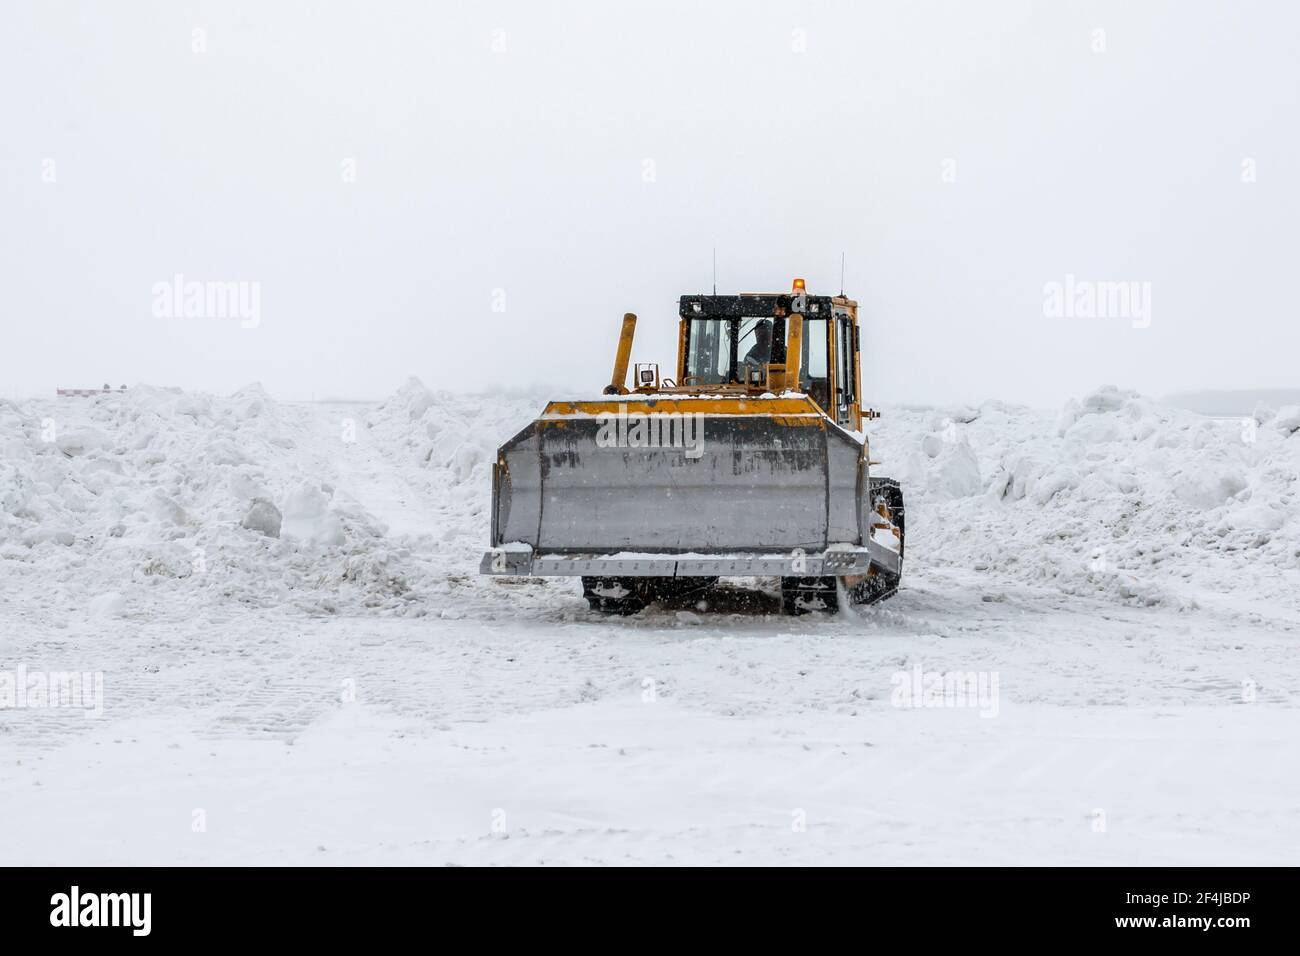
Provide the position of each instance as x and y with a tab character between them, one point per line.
300	663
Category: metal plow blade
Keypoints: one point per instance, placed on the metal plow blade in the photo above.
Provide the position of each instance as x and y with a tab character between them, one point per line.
682	476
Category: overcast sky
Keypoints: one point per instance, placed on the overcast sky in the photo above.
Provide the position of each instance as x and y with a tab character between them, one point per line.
475	193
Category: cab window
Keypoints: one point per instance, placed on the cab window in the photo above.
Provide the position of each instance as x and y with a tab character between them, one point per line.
709	355
814	371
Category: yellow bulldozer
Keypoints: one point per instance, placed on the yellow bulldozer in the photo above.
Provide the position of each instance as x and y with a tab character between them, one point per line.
748	462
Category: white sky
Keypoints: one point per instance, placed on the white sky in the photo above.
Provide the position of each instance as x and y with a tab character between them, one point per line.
524	171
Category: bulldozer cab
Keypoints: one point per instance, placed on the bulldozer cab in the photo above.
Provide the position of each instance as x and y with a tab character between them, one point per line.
750	342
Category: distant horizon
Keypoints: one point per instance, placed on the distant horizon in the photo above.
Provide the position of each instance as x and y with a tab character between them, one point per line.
1210	402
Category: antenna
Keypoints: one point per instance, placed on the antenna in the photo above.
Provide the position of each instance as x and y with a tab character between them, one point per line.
715	270
841	274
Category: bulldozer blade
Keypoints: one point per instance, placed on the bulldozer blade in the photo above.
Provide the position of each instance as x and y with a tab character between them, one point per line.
682	476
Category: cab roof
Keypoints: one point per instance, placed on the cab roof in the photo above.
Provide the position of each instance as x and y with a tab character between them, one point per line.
748	305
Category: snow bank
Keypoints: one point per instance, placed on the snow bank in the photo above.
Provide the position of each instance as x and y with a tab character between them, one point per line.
446	444
120	498
1113	494
157	489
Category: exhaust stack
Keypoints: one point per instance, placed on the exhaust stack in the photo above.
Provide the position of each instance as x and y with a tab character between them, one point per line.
618	382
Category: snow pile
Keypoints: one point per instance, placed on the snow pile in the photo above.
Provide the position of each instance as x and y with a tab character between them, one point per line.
1114	494
108	504
104	500
447	444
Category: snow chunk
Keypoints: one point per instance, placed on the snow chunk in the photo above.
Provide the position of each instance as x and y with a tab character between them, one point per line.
307	517
1287	420
1108	398
264	517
